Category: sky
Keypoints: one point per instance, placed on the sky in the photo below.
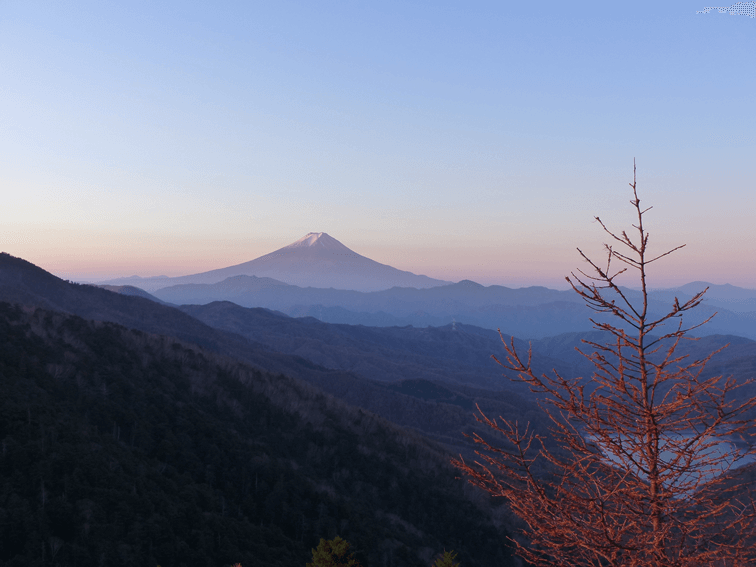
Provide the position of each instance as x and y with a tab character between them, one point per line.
460	140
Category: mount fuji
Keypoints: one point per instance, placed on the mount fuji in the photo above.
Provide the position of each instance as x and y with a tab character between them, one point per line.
315	260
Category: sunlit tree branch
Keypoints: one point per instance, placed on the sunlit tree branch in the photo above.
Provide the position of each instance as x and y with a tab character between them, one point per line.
643	473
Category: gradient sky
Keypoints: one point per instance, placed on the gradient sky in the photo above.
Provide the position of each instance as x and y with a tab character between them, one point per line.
462	140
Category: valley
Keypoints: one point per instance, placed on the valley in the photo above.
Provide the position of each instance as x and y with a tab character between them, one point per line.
377	284
163	401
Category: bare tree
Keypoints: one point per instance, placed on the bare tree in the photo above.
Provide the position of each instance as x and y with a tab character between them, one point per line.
642	474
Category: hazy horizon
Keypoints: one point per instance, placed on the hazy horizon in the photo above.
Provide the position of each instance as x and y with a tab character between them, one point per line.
458	141
562	285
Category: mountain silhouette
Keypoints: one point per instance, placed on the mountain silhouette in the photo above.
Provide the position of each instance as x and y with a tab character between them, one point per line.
315	260
234	332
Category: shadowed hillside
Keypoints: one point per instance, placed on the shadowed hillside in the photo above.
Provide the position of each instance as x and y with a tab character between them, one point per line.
122	448
456	354
22	281
345	360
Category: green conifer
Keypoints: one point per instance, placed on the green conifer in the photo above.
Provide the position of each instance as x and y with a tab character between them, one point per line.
446	560
333	553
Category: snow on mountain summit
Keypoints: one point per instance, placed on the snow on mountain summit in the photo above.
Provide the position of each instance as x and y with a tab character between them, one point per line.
315	260
317	239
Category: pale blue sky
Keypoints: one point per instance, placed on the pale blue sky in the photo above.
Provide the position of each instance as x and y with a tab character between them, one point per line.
456	139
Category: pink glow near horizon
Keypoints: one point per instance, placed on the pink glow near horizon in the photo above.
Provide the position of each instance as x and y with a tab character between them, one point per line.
486	269
138	143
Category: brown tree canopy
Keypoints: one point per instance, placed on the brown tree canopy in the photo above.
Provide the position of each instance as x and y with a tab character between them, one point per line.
645	469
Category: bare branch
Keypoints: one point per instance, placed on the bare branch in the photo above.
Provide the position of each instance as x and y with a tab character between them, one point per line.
644	471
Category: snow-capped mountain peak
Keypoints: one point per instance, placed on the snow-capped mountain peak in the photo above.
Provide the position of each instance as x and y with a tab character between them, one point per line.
315	260
318	240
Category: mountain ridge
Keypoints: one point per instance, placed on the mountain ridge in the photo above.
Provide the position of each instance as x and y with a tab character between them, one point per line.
24	283
123	448
315	260
532	312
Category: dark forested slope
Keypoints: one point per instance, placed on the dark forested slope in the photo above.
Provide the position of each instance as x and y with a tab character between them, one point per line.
122	448
456	354
385	354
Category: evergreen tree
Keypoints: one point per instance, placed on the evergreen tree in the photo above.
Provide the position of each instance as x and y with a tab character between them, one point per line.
333	553
446	560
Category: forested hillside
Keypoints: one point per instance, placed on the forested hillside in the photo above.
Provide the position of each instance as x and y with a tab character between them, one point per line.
124	448
383	354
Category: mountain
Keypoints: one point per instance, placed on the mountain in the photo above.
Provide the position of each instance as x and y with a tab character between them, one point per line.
458	355
250	291
725	292
730	297
423	378
121	448
315	260
455	357
351	361
131	290
24	283
124	447
334	372
528	313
